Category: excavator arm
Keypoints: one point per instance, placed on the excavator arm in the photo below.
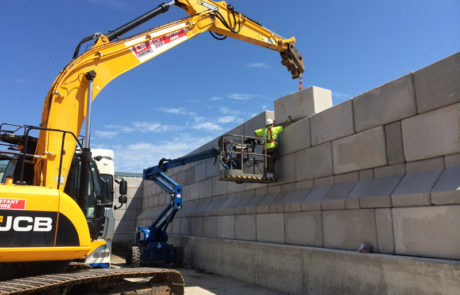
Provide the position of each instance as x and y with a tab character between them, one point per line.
66	104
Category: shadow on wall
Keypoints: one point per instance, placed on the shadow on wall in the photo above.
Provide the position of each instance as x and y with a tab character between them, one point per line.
125	217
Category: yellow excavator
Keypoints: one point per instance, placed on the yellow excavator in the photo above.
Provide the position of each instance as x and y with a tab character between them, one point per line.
51	201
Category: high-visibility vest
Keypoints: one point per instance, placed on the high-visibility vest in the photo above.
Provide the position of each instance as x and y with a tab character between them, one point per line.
271	134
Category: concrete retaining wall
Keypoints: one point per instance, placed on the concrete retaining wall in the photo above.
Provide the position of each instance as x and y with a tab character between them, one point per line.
383	168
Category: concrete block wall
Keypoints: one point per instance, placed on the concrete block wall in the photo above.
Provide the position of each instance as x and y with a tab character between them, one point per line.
383	168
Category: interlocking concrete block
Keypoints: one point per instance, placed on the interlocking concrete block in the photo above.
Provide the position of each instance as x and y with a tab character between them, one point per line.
226	227
241	202
302	104
385	235
313	200
427	231
227	207
210	226
251	206
279	268
245	227
347	229
295	137
289	201
304	184
125	215
304	228
390	102
264	204
447	188
359	151
332	123
194	191
125	227
189	175
335	199
212	169
452	160
393	136
378	193
196	227
185	226
219	187
283	169
270	227
313	162
414	189
438	85
200	171
205	188
432	134
352	201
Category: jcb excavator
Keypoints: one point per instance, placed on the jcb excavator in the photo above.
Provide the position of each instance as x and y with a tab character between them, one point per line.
43	221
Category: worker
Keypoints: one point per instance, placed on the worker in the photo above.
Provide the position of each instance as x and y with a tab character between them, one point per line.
270	135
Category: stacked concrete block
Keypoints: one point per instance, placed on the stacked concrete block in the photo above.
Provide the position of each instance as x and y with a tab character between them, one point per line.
333	123
414	189
302	104
313	162
432	134
383	168
438	85
388	103
359	151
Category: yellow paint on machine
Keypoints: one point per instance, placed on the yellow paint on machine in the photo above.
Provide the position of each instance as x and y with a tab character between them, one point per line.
47	200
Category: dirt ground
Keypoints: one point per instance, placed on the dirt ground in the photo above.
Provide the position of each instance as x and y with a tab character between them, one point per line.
201	283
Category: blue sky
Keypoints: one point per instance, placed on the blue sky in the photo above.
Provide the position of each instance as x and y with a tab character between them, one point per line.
202	88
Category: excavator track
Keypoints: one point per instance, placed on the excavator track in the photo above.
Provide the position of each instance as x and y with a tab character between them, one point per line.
163	281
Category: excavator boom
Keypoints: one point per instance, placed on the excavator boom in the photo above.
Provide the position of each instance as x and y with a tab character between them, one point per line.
66	103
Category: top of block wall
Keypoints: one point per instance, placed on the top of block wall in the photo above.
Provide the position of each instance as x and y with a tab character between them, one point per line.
302	104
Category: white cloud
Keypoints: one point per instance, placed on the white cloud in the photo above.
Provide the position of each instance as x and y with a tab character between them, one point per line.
106	134
227	111
209	126
146	127
258	65
214	98
230	119
179	111
121	128
241	96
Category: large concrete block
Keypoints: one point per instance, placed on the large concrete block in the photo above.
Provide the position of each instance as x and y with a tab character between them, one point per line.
200	171
245	227
205	188
432	134
335	199
414	189
283	169
125	215
219	187
226	227
390	102
378	193
302	104
279	268
427	231
210	226
438	85
241	202
194	191
393	136
289	201
304	228
332	123
270	227
385	234
295	137
264	204
251	206
365	178
359	151
313	162
313	200
347	229
212	168
447	188
337	196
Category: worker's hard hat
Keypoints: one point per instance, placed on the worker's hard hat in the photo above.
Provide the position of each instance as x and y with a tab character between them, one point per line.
268	122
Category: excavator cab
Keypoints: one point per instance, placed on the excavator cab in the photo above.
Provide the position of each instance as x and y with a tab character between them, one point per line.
243	159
